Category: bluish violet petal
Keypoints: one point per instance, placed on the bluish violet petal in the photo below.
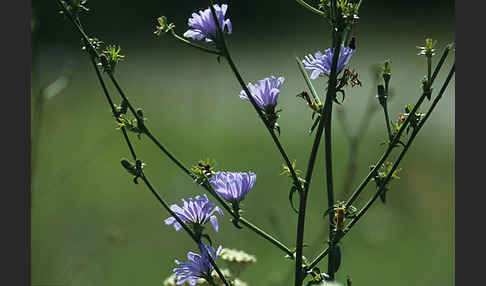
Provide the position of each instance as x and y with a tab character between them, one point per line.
244	96
273	96
252	180
194	34
182	280
177	226
169	220
224	7
280	81
229	26
214	222
315	74
217	209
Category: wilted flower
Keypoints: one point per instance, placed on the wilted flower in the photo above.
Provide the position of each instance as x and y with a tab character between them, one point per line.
197	266
233	186
203	25
196	211
265	92
321	63
237	260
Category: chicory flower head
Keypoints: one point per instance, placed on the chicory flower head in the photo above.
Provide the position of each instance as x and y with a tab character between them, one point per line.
197	266
265	92
321	63
233	186
197	211
203	25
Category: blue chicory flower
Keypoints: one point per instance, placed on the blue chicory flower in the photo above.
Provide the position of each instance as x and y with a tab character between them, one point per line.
233	186
321	63
203	25
197	266
197	211
265	92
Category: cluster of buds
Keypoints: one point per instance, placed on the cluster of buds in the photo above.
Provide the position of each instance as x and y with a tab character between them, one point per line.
136	170
203	170
381	175
346	10
135	125
414	120
427	50
110	57
386	71
75	6
163	26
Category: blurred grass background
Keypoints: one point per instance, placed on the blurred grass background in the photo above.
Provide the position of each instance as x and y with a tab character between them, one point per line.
92	226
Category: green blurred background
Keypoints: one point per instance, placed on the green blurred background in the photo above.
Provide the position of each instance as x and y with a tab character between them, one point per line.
92	226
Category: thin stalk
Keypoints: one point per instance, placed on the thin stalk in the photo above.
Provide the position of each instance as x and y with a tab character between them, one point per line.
227	55
266	236
310	8
191	44
441	61
331	94
387	120
113	110
323	122
246	222
395	165
329	182
307	80
302	204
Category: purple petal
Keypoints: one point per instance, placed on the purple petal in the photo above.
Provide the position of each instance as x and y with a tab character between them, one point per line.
214	222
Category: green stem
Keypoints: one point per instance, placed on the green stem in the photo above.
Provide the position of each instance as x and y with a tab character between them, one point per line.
310	8
331	94
387	120
329	182
246	222
441	61
110	102
227	55
324	122
302	204
187	42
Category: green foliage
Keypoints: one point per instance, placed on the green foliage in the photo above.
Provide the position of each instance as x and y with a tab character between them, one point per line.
75	6
110	57
135	125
